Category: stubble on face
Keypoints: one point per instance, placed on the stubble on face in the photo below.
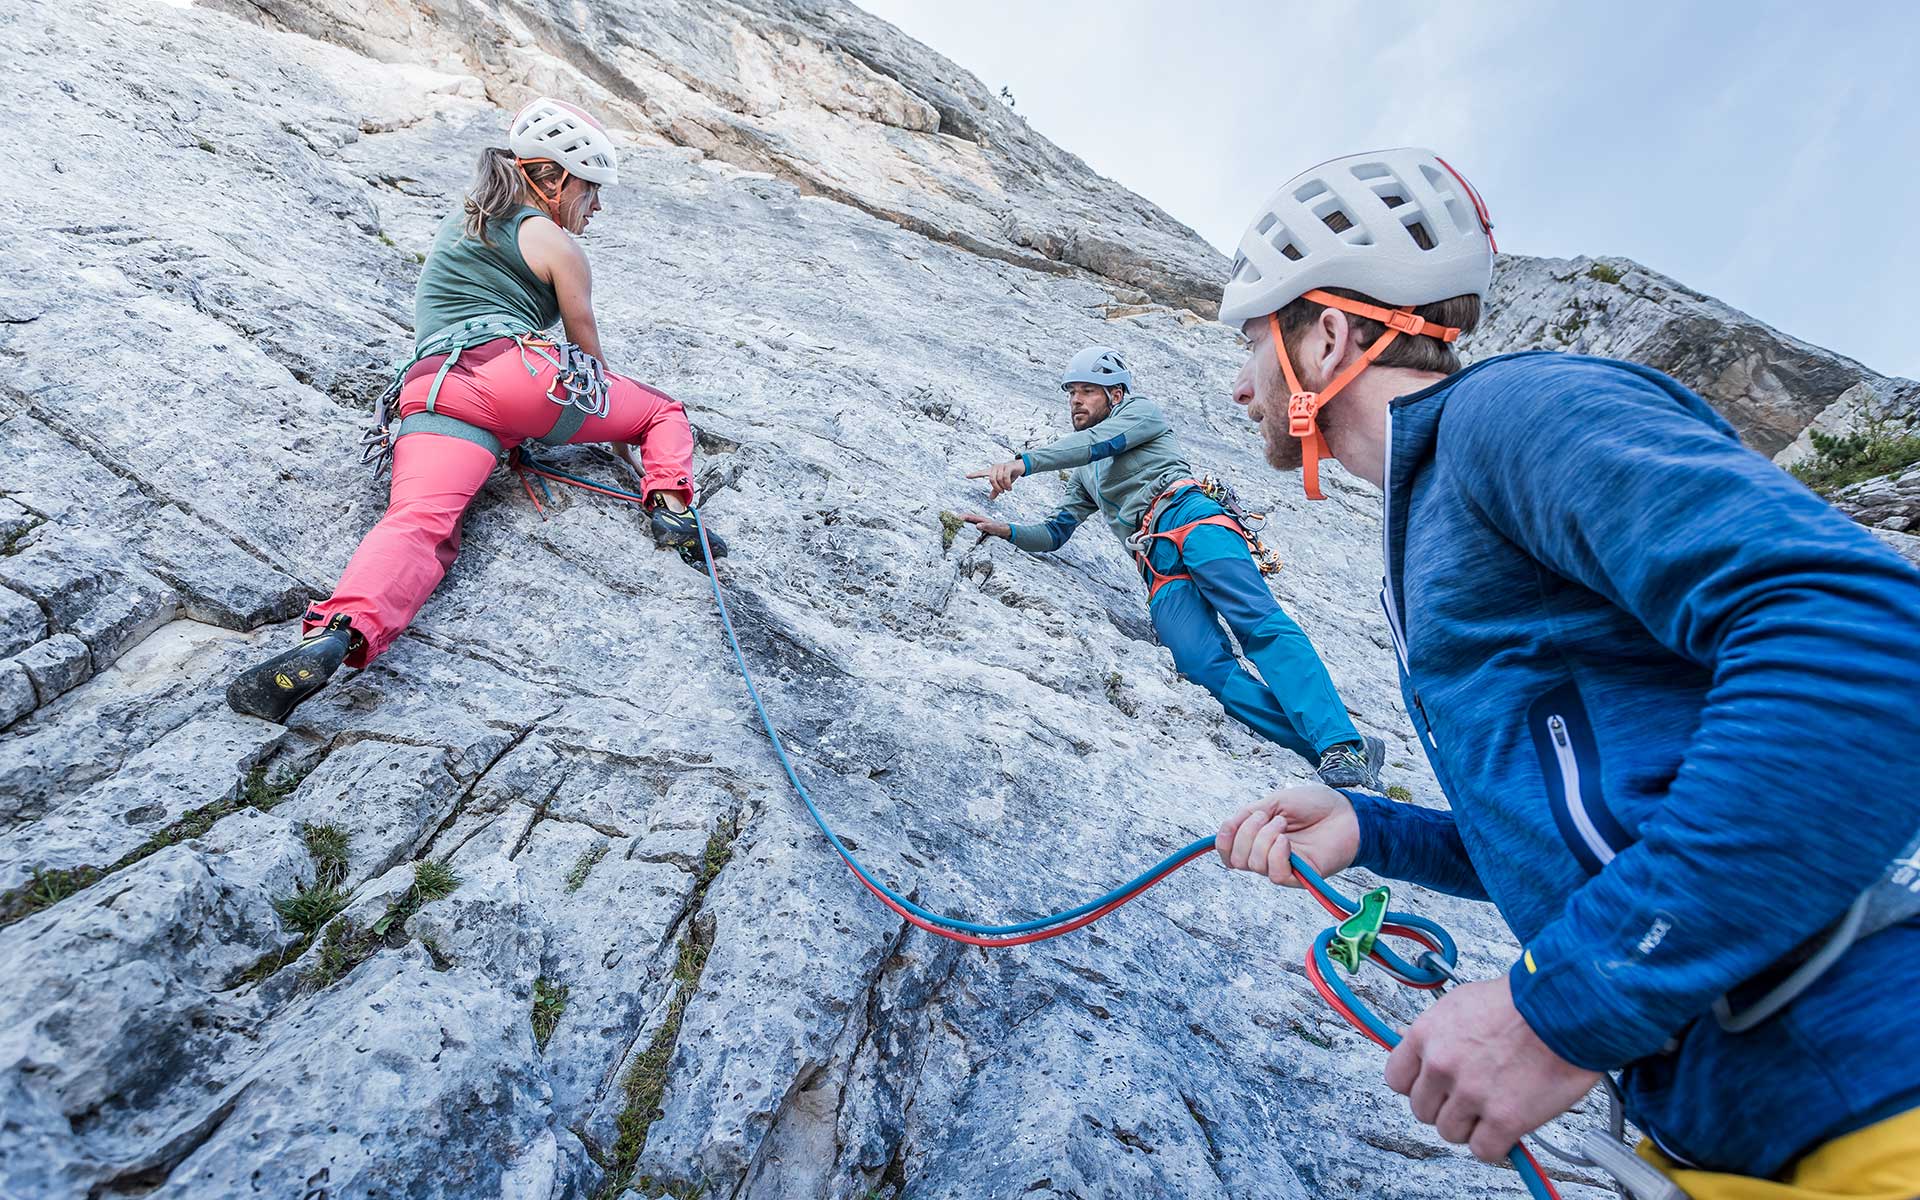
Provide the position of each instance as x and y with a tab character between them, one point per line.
1268	408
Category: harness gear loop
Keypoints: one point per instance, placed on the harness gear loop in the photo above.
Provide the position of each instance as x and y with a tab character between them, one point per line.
580	388
1303	406
1246	524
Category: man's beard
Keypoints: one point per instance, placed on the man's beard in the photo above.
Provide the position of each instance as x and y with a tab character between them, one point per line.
1282	448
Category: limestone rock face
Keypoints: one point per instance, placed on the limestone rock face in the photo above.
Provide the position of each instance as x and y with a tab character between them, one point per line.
1769	385
527	908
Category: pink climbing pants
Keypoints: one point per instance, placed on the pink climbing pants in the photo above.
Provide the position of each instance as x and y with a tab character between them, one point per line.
406	555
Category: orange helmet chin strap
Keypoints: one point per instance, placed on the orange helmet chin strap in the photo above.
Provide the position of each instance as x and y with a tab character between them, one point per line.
552	202
1303	407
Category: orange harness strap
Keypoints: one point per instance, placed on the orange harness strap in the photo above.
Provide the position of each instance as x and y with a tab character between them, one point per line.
1303	407
1141	541
1178	536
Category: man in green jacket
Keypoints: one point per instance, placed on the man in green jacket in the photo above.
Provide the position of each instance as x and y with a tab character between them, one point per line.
1125	463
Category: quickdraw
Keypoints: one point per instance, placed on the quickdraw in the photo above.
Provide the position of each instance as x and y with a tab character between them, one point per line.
1247	524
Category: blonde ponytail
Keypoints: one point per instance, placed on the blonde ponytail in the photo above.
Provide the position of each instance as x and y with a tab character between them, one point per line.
500	186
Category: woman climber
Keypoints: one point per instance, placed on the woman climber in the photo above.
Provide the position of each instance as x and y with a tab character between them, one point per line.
505	265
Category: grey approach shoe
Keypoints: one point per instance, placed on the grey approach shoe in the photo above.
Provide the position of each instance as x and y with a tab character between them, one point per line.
1354	764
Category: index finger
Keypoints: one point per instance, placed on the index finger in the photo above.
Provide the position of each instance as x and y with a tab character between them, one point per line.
980	474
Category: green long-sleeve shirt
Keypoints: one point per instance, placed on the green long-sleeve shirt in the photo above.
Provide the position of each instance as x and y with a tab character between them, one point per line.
1118	467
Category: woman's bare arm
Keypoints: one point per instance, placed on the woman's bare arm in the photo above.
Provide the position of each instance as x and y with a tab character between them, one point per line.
556	257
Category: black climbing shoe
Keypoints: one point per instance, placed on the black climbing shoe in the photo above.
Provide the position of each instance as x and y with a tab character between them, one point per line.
680	531
270	690
1353	764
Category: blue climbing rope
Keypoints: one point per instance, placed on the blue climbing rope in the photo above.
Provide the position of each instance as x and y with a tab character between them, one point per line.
1431	971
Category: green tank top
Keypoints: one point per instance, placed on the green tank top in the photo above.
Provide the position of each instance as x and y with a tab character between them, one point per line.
464	278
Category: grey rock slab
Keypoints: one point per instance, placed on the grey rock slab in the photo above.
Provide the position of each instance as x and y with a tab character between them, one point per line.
1769	384
22	622
91	590
388	798
87	735
1891	502
188	768
17	697
111	1006
392	1081
56	666
1906	543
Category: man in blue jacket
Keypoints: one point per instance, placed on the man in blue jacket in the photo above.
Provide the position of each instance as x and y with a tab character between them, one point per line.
1124	462
1672	697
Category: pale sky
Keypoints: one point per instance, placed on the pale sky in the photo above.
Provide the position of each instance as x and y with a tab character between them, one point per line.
1765	153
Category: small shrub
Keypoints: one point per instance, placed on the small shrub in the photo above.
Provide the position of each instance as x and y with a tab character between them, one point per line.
1879	447
1603	273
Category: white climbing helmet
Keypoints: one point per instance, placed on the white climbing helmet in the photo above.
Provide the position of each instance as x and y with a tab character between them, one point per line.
1400	226
560	132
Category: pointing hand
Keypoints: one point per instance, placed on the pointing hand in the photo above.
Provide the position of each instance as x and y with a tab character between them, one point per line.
1000	476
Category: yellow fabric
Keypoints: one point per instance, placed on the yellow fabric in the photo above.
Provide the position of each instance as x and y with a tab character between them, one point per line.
1880	1162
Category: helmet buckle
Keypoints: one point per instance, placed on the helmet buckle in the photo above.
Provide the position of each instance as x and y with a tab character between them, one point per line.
1301	410
1405	322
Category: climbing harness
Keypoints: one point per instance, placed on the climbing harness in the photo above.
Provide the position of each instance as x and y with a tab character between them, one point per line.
1247	524
1303	407
1351	942
579	388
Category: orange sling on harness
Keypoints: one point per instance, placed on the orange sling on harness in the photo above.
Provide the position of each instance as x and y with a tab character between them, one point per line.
1141	542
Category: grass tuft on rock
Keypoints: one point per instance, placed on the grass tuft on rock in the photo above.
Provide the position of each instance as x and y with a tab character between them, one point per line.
1603	273
1400	793
646	1080
328	845
583	866
950	526
549	1003
433	880
310	908
343	947
52	885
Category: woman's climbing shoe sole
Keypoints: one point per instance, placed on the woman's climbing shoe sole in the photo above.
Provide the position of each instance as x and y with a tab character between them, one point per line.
271	690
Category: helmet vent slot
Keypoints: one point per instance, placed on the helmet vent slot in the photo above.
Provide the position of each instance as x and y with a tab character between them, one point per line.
1350	231
1372	170
1281	239
1418	231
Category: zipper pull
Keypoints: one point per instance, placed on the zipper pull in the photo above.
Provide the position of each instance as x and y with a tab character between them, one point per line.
1559	730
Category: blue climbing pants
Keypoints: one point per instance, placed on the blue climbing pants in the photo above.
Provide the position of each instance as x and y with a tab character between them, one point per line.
1297	706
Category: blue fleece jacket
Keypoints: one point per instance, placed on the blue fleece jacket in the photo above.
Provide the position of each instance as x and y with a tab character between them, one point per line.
1674	700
